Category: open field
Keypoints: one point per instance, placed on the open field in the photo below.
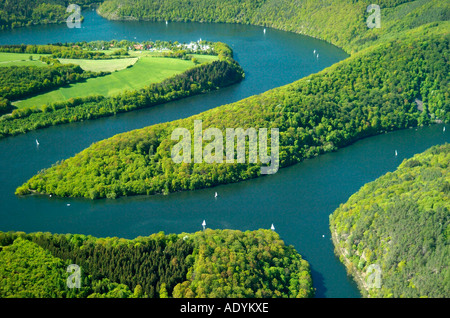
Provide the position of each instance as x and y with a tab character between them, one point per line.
20	59
145	71
204	58
101	65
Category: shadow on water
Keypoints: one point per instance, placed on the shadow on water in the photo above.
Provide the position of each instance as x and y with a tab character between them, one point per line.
319	284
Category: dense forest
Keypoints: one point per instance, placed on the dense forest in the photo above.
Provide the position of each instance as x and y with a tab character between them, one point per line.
211	263
197	80
370	92
17	13
56	51
341	22
401	222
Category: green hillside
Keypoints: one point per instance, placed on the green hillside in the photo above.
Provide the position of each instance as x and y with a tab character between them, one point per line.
341	22
158	77
212	263
18	13
146	71
374	90
400	222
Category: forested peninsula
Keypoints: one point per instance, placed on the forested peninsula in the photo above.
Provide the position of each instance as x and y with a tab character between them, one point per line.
371	92
19	13
396	77
207	264
400	223
199	79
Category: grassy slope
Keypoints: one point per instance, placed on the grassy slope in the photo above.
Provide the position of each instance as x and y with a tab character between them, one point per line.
19	59
101	65
146	71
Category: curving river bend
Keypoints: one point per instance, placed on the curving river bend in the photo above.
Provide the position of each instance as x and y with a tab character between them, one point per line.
297	200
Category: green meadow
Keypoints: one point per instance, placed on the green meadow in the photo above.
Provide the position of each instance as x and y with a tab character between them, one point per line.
145	71
111	65
20	59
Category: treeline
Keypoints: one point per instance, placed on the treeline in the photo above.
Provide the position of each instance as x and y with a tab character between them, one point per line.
19	13
367	94
77	49
18	82
213	263
5	106
341	22
401	223
197	80
95	50
29	271
56	51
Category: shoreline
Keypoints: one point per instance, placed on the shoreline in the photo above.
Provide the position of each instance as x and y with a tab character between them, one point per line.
356	276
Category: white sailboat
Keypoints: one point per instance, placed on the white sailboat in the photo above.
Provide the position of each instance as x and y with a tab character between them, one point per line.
443	129
37	142
396	153
215	195
272	227
204	224
264	31
314	52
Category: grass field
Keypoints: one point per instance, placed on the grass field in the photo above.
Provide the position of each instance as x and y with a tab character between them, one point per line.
20	59
204	58
145	71
102	65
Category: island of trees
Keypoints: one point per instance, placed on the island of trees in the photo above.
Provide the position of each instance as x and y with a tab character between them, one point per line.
400	223
17	82
211	263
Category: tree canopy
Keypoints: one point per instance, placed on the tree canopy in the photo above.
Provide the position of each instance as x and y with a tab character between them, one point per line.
211	263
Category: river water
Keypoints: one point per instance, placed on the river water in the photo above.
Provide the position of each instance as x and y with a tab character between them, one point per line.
297	200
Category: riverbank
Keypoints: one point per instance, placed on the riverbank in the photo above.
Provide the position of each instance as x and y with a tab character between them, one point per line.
325	126
341	253
399	225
